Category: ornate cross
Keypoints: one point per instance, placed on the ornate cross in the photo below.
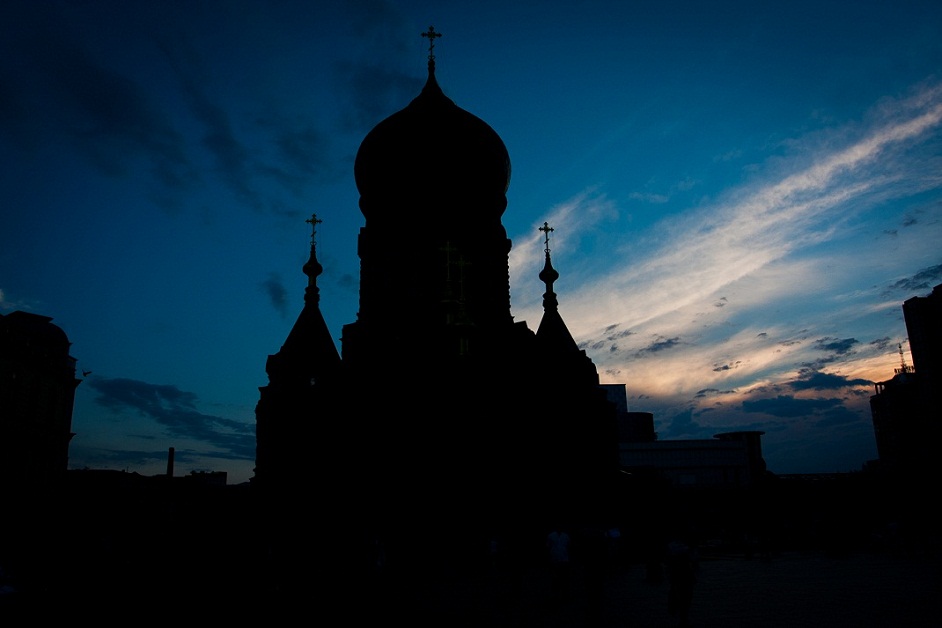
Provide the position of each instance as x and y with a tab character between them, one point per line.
313	221
448	249
546	229
431	34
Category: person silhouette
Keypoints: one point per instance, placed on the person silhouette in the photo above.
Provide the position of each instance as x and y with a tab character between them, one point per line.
558	551
594	554
682	569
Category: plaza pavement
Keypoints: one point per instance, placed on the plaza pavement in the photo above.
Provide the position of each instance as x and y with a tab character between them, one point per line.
791	590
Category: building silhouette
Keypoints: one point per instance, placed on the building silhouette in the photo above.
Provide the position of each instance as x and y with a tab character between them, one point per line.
905	408
923	316
442	421
37	395
728	460
387	470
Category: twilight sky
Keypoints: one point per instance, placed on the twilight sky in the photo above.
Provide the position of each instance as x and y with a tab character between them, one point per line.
743	194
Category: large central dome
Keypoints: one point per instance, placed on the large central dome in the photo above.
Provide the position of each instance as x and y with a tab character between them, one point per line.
432	157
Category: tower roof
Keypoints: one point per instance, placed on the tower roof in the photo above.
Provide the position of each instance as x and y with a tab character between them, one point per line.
552	331
309	350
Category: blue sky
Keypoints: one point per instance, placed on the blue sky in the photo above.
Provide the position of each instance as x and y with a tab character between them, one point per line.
743	194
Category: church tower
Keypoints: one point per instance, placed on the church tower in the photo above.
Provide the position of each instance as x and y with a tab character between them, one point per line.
440	412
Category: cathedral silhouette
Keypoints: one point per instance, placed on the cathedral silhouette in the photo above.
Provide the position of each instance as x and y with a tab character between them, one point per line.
442	422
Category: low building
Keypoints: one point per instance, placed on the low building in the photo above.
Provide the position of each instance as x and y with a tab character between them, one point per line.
729	459
732	459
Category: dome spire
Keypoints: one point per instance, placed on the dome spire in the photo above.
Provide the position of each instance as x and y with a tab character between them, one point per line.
308	354
312	268
431	34
549	274
552	331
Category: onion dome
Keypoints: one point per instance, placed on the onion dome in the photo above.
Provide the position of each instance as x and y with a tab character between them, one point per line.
432	154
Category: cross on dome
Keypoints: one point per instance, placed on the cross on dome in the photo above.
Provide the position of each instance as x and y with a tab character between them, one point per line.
431	34
313	221
546	229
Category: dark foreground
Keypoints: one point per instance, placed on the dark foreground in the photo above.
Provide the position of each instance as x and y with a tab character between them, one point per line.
826	554
795	589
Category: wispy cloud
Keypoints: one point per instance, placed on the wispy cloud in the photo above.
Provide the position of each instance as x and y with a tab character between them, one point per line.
714	246
790	407
175	411
685	261
8	305
689	294
816	380
923	280
160	112
58	90
274	287
580	219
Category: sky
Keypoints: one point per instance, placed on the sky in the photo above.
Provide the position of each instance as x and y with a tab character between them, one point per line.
742	195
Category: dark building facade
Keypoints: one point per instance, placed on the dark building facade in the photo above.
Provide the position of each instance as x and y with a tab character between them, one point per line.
442	421
37	395
923	316
905	408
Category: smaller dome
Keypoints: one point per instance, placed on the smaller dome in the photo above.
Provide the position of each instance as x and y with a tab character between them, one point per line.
433	149
38	329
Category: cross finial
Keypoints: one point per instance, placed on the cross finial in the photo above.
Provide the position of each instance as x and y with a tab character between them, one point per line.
431	34
313	221
546	230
